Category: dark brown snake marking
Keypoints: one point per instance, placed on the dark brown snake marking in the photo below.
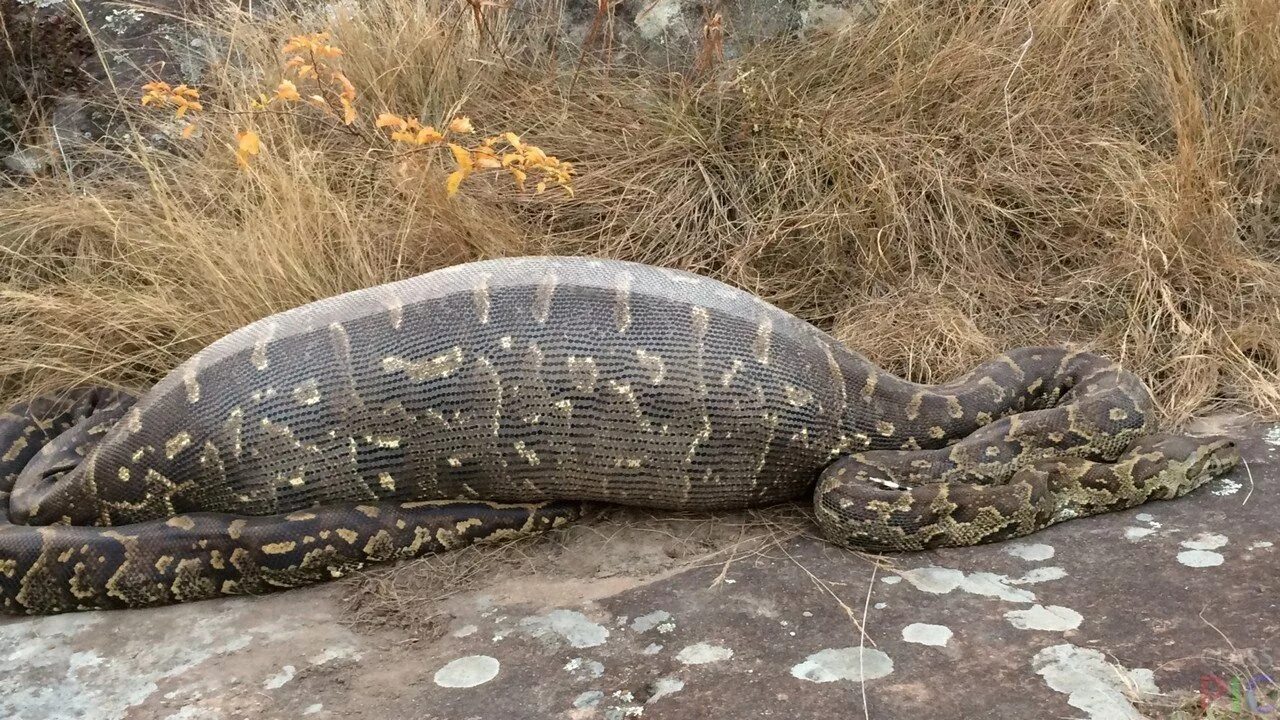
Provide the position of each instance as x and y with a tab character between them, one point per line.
490	399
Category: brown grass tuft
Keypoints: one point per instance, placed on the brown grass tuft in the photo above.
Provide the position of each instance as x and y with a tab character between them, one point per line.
946	180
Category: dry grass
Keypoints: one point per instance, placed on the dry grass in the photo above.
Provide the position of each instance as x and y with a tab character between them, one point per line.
952	178
1233	691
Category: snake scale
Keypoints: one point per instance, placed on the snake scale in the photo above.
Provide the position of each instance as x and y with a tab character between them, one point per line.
495	398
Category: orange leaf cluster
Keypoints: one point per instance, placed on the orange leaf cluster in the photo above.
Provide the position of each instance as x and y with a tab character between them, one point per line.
310	64
308	57
504	152
183	98
409	131
313	44
524	159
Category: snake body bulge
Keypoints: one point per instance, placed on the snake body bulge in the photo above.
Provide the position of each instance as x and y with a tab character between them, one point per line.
345	431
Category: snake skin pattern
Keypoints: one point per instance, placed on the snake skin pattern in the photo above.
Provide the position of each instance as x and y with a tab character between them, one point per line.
492	399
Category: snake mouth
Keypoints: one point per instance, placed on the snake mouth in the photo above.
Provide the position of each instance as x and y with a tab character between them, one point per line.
1214	458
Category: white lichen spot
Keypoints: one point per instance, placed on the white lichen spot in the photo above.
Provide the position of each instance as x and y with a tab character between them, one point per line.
663	687
933	579
313	708
703	653
832	17
280	678
569	625
583	668
622	712
1261	544
464	631
996	586
468	671
940	581
1137	533
1272	436
1053	618
1040	574
334	653
588	699
1034	552
1205	541
652	649
1100	689
649	621
1226	486
852	663
1200	558
926	634
891	579
656	19
123	20
1147	518
880	605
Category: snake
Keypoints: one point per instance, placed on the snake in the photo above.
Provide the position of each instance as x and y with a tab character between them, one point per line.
501	398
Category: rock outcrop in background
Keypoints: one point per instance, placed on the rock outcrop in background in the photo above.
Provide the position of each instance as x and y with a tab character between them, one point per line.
61	57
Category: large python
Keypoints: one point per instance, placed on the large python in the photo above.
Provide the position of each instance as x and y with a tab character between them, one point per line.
491	399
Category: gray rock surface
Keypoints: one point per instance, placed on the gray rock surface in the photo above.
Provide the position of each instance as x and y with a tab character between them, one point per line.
1070	622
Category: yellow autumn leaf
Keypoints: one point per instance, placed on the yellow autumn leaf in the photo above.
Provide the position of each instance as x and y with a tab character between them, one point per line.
188	131
327	51
348	111
513	140
287	91
540	188
348	90
535	155
455	179
427	135
519	175
389	120
485	158
461	124
247	144
462	156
